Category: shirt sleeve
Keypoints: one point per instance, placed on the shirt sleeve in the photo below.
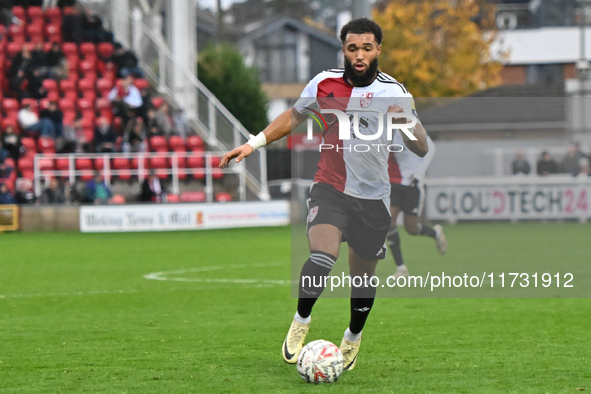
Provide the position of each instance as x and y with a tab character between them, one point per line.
308	96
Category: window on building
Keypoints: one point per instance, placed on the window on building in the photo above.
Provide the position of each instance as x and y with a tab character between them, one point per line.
276	56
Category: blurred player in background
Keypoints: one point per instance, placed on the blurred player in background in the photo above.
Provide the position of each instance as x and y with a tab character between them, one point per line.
350	197
407	174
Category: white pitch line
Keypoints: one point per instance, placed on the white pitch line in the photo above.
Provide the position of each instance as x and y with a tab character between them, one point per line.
75	293
164	275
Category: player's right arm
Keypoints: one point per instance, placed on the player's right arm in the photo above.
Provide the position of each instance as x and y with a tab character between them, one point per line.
277	129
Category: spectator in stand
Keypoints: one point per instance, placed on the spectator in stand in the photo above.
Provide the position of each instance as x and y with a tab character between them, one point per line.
56	116
11	142
5	170
159	123
35	87
32	125
97	190
74	140
152	190
24	191
55	60
126	62
19	71
546	165
570	162
92	28
126	99
66	3
181	124
54	194
520	165
134	136
71	28
5	196
105	137
164	120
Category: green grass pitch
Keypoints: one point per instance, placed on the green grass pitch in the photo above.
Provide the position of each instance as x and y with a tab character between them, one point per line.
77	315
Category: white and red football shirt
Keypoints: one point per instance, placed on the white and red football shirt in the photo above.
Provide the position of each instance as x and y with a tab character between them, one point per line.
404	166
351	169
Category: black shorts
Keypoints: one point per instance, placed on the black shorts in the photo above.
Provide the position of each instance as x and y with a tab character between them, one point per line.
363	223
408	198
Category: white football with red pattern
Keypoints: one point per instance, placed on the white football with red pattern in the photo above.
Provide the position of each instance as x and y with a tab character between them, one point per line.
320	362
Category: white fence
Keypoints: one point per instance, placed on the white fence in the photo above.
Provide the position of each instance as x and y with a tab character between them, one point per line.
176	165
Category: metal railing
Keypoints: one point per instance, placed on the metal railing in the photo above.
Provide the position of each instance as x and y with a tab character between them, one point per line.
177	166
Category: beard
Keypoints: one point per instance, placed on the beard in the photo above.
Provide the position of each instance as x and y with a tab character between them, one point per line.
364	79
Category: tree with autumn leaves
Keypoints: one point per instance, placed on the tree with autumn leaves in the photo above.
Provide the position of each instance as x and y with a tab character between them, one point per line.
438	48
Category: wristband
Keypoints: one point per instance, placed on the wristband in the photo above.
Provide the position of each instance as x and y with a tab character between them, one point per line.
257	141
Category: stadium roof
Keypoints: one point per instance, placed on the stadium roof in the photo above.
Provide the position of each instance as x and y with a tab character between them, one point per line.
504	108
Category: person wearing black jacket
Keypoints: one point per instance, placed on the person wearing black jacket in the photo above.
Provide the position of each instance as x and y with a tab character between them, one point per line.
11	142
152	190
126	63
54	114
105	137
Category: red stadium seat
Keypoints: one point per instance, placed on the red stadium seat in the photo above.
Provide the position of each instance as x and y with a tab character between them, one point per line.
83	163
105	50
35	12
72	61
25	164
19	12
88	134
104	86
45	145
158	163
177	144
194	143
44	103
158	144
67	84
54	14
51	86
67	104
157	102
141	83
86	84
193	197
35	32
10	105
223	197
117	199
87	66
53	32
69	49
69	117
99	163
84	104
172	198
217	173
12	48
88	48
45	164
103	103
121	163
62	165
29	144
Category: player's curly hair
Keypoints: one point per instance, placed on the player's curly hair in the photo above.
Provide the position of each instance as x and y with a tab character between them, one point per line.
361	26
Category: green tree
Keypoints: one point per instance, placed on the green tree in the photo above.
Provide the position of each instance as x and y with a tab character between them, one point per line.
437	48
222	70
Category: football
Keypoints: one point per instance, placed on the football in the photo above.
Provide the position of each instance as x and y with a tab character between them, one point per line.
320	362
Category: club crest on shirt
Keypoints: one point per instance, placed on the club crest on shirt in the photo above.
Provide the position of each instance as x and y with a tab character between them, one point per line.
365	99
312	214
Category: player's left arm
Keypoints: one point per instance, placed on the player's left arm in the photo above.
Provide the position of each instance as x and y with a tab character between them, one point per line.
418	147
